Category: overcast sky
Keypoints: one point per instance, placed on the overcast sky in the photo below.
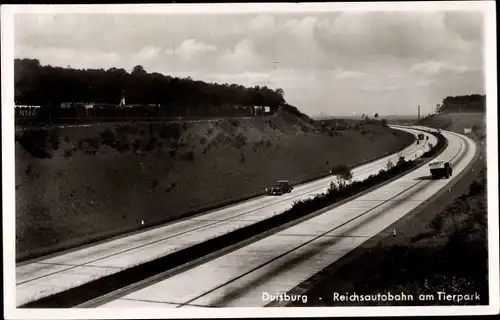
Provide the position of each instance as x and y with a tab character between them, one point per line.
331	63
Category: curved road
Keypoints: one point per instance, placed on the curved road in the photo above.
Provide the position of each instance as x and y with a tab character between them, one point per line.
42	277
279	262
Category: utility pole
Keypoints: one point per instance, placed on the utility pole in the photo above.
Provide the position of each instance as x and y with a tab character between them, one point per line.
418	112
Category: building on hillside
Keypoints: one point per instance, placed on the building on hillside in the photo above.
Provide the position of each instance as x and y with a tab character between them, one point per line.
69	105
261	109
137	105
122	102
27	110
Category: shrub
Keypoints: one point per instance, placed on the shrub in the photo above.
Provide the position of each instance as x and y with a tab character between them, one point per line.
136	145
383	122
475	188
210	130
171	131
242	157
241	140
389	165
234	122
343	174
151	145
108	138
122	147
68	153
401	161
35	142
437	222
152	129
54	139
332	188
188	156
126	129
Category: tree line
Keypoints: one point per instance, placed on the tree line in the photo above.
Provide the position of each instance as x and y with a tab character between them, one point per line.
465	103
49	86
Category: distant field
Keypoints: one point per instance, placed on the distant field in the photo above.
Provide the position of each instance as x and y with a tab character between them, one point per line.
76	183
457	122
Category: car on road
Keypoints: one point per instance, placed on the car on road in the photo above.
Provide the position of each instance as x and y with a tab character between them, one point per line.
280	187
421	136
440	169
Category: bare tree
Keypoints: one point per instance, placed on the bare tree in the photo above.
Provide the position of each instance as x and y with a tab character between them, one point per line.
342	174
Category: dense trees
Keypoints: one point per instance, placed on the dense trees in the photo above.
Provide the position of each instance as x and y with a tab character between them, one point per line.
467	103
49	86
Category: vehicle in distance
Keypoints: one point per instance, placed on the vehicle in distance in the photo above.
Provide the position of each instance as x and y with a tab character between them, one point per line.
440	169
280	187
420	136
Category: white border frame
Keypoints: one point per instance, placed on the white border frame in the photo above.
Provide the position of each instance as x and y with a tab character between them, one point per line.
8	160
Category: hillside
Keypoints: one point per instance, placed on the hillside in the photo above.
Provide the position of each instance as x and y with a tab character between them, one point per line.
457	122
74	184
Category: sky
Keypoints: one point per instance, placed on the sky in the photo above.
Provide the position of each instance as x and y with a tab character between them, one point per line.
335	63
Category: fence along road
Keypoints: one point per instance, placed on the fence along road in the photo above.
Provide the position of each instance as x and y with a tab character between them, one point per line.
56	273
281	261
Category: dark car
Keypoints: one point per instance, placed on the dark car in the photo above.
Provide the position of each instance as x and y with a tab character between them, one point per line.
280	187
440	169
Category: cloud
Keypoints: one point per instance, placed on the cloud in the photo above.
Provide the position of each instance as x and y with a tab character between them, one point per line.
149	52
191	49
436	67
349	74
424	83
242	57
376	88
468	25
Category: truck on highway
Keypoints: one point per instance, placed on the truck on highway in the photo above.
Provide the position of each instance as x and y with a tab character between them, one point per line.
280	187
440	169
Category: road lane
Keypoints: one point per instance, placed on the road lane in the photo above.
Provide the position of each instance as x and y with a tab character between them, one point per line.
281	261
55	274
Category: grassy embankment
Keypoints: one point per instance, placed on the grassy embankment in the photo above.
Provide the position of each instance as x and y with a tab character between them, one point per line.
74	185
445	250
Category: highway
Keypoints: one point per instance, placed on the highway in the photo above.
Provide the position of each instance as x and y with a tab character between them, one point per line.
56	273
279	262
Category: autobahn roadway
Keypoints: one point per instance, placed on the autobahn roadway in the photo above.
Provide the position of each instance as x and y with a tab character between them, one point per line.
56	273
279	262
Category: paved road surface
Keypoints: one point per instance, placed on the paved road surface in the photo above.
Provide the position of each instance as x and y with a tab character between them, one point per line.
281	261
54	274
